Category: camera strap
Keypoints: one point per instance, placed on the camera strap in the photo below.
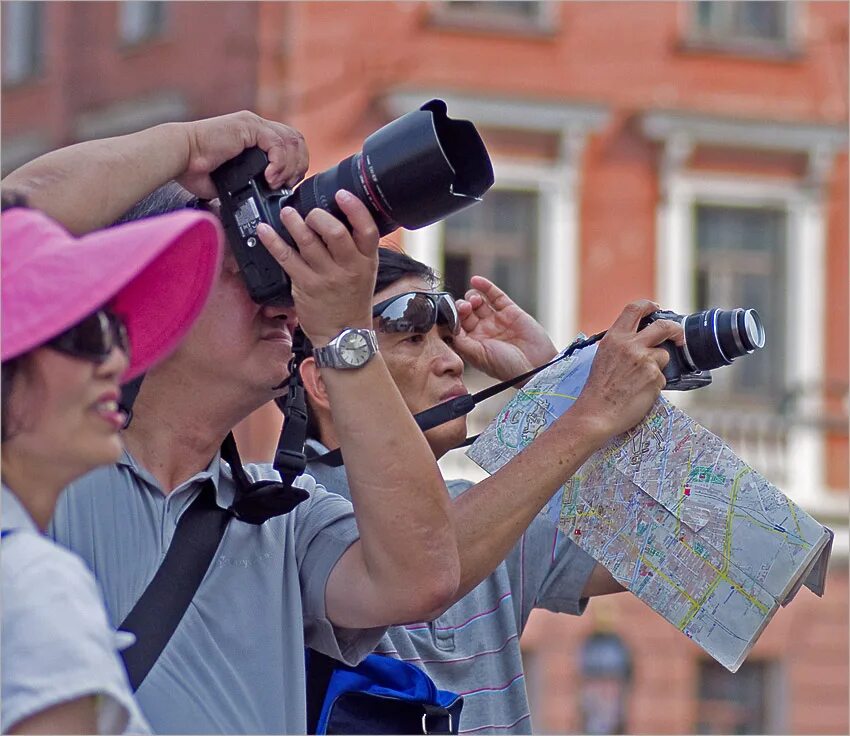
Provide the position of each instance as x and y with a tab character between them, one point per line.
258	501
462	405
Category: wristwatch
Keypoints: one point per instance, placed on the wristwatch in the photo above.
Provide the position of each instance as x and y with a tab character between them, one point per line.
351	348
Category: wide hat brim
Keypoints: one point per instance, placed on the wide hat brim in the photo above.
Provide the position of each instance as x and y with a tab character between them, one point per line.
156	273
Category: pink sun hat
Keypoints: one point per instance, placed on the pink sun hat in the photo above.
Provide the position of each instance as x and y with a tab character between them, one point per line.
155	273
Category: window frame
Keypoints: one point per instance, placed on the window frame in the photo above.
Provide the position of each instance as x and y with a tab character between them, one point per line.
500	244
772	682
805	305
129	42
738	398
445	15
37	55
557	299
697	40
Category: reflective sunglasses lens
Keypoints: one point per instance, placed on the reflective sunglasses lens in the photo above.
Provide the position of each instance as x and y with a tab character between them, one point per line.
447	312
408	313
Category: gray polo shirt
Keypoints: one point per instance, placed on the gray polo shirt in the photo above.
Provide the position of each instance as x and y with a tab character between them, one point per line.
473	648
236	661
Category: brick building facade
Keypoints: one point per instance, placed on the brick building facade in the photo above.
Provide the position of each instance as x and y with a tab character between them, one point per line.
692	152
81	70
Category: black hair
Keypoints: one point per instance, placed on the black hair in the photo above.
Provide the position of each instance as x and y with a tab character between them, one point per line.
393	266
11	369
11	199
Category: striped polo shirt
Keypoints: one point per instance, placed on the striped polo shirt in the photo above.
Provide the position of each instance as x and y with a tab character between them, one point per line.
473	648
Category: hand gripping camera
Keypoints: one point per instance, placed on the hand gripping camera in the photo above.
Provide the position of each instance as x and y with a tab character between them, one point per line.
713	338
412	172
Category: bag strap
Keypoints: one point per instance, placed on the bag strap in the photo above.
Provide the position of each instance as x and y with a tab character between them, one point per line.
160	609
320	669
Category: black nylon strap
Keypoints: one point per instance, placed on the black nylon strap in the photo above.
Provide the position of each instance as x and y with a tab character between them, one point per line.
462	405
257	502
160	609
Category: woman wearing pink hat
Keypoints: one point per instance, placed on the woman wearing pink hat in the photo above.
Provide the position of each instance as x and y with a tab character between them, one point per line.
79	317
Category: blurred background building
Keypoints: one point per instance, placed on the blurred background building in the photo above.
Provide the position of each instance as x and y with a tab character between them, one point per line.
692	151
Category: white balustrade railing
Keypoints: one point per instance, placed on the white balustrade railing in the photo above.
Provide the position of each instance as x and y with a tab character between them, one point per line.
758	438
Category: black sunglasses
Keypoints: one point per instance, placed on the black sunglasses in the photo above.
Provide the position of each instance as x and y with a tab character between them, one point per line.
94	338
417	312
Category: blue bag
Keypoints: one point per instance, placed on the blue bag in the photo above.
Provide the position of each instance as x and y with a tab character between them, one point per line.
382	695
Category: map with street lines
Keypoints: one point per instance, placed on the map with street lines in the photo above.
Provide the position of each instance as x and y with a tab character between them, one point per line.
678	519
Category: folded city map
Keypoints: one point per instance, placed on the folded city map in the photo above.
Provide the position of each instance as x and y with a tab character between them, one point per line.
678	519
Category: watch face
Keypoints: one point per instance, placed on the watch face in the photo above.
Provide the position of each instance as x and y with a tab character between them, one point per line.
354	349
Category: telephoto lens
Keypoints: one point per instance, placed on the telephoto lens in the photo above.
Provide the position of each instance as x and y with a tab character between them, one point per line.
414	171
716	337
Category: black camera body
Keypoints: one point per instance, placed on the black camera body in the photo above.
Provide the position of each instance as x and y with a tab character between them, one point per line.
246	201
713	338
414	171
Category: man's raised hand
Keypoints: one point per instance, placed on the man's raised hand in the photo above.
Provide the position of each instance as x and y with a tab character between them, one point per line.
333	270
626	377
498	337
216	140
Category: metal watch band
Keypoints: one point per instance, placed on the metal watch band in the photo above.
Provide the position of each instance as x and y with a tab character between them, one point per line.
330	356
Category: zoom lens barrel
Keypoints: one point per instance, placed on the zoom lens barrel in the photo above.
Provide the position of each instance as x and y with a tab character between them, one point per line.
716	337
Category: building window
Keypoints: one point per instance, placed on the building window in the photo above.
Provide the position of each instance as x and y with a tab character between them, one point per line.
496	238
606	675
740	262
140	20
23	37
498	15
735	703
743	23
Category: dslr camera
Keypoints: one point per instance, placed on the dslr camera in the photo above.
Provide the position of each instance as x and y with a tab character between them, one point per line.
713	338
414	171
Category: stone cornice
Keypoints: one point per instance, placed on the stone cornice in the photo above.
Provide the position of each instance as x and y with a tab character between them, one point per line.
507	113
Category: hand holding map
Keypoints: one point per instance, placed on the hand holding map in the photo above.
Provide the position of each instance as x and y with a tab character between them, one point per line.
673	514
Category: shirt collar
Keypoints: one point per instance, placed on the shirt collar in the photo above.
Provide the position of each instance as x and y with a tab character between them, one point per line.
333	478
15	516
217	471
316	445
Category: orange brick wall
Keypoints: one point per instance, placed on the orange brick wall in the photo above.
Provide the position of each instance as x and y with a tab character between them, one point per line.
207	53
619	193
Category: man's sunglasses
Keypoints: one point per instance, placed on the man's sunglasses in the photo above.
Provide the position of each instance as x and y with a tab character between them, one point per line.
417	312
94	338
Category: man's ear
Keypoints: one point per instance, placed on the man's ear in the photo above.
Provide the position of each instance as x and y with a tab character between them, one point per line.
314	385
